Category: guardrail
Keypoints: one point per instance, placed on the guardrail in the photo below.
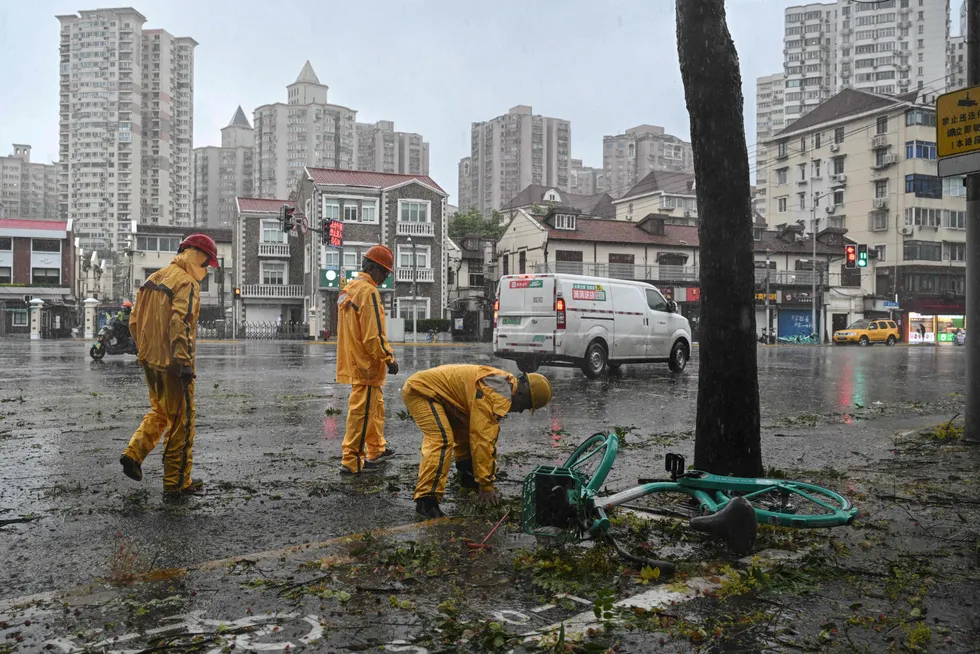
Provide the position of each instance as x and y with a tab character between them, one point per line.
421	274
273	249
415	229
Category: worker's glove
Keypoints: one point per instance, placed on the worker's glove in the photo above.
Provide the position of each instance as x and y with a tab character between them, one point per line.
186	374
393	368
488	498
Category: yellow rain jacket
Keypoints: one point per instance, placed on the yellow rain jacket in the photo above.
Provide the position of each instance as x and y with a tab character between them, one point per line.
363	352
164	316
477	396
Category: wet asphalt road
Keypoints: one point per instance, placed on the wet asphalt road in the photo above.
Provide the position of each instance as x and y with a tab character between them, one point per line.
270	451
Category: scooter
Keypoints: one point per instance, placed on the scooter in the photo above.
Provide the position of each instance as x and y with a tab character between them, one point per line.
766	338
110	341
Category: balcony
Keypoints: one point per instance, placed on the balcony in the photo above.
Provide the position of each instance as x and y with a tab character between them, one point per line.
416	229
274	250
421	274
277	291
787	277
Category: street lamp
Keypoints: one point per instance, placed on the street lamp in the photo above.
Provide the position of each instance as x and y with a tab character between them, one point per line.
415	283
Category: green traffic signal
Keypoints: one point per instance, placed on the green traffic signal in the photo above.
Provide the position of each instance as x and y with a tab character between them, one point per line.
862	259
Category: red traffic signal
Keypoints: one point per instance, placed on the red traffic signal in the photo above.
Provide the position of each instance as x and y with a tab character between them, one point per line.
287	217
850	256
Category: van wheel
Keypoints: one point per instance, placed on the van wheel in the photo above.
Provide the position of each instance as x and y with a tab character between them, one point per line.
528	365
678	357
595	360
891	340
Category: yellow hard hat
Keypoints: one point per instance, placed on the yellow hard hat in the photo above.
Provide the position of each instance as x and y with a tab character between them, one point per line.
540	390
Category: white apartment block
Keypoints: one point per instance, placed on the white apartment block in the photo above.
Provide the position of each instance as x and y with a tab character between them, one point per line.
769	119
956	63
867	164
126	117
629	157
27	190
889	47
306	131
464	197
513	151
223	173
381	149
586	180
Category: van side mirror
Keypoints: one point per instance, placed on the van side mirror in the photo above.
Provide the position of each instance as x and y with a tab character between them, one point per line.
671	306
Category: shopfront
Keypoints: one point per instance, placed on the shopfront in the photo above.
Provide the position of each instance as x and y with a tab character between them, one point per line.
796	314
926	329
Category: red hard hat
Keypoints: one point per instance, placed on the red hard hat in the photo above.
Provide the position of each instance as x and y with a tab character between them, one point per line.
127	305
205	244
382	256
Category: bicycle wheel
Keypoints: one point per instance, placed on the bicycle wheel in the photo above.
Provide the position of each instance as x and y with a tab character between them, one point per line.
799	505
593	459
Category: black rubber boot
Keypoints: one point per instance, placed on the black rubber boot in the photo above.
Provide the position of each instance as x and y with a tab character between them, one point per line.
464	470
131	469
428	507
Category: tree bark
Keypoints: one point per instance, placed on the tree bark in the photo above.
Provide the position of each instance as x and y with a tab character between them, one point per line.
727	427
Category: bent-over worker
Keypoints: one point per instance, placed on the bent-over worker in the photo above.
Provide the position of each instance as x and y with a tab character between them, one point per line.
459	408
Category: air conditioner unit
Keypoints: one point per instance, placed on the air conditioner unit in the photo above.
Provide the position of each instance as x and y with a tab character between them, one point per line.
834	147
841	178
687	214
831	208
908	231
880	203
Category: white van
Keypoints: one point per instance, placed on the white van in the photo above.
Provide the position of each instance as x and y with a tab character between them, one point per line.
591	322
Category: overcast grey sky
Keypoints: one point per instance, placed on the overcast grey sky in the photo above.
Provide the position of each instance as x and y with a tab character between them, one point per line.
431	66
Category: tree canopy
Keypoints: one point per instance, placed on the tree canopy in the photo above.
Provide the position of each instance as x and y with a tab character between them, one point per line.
474	222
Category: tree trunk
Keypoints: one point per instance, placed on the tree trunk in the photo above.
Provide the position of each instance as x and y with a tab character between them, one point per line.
727	431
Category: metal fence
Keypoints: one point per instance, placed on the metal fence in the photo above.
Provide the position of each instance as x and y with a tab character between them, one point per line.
270	331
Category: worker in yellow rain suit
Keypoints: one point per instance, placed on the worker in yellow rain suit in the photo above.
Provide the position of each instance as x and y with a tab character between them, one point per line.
164	325
459	408
363	358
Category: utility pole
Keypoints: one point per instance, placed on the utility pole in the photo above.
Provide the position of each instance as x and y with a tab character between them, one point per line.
768	328
813	264
973	242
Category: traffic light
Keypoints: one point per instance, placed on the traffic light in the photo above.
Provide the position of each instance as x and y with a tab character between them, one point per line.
862	259
850	256
238	293
332	233
287	217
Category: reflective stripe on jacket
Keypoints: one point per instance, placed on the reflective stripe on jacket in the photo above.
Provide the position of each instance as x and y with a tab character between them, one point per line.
164	317
477	395
363	351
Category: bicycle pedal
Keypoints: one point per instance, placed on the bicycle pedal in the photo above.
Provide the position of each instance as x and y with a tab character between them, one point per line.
674	464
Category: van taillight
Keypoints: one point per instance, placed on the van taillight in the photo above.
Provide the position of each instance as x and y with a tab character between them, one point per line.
560	312
496	308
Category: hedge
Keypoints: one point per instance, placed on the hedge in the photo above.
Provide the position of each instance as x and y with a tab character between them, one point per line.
427	324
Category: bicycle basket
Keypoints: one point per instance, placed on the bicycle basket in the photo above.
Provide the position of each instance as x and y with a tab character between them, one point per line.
549	506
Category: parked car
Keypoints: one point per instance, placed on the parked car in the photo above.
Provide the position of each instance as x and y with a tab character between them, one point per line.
593	323
868	332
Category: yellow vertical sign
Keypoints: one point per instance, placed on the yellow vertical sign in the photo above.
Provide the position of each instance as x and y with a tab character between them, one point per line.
958	122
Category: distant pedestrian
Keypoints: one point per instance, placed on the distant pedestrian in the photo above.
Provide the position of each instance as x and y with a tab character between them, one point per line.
922	331
364	356
164	325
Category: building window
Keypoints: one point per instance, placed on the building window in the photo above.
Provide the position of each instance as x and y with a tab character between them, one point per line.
838	165
46	276
522	262
405	309
839	135
879	221
954	251
413	212
351	259
816	140
18	318
331	209
781	176
802	144
920	117
369	211
838	198
205	283
781	149
802	197
6	244
45	245
881	188
922	251
273	272
476	273
879	251
565	221
272	232
924	186
6	275
350	213
924	217
161	243
953	219
954	187
506	264
881	125
920	150
781	205
421	256
331	258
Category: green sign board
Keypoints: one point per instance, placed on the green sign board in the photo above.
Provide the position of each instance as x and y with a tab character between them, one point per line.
330	278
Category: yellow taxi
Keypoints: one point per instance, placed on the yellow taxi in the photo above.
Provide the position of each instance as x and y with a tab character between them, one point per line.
868	332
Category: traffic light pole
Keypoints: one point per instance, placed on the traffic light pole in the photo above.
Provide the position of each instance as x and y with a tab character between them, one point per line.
972	314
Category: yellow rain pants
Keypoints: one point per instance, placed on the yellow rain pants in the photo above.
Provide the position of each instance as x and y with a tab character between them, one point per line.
171	415
365	434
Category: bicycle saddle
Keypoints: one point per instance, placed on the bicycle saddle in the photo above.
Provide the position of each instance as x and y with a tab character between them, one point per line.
736	523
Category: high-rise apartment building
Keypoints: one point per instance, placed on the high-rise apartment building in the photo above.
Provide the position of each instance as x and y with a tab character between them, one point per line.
223	173
586	180
513	151
888	47
464	195
126	128
627	158
769	119
381	149
305	131
27	190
